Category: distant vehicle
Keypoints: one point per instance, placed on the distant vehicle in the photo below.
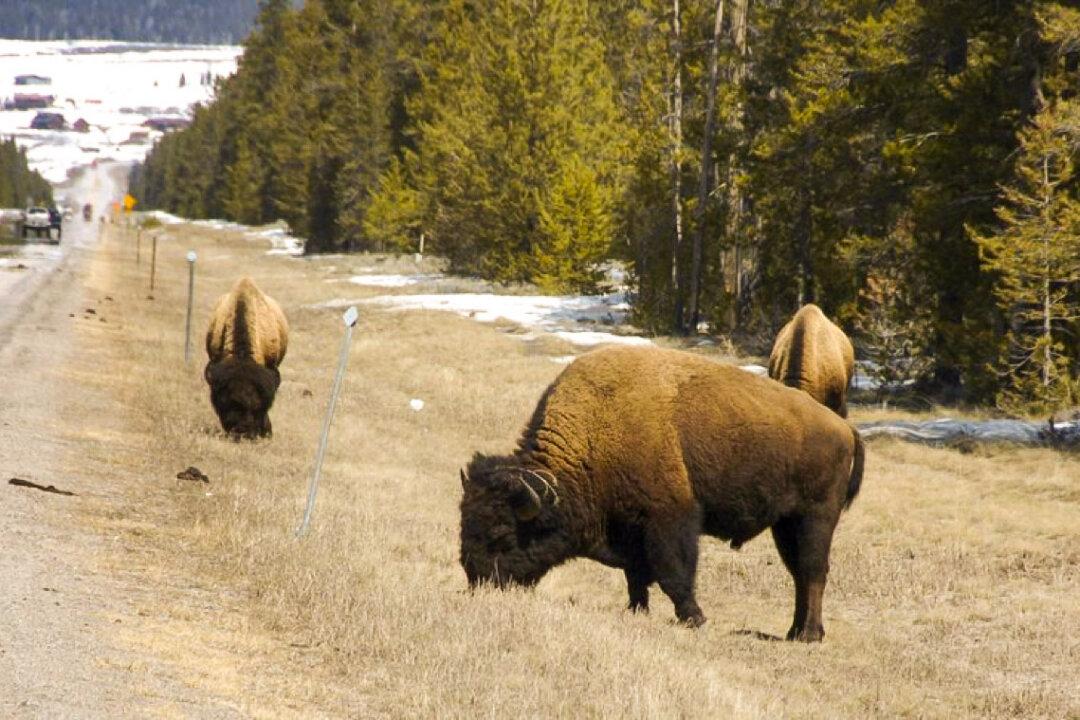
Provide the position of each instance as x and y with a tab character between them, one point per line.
30	101
32	80
87	212
39	221
48	121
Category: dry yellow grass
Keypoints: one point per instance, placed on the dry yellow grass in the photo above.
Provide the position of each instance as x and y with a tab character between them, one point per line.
955	585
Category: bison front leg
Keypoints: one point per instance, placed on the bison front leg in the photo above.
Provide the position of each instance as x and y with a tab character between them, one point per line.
672	552
804	544
638	579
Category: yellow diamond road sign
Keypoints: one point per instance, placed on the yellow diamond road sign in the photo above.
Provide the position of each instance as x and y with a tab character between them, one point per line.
129	203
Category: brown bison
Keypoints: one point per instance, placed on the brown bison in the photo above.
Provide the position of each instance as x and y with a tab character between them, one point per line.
813	354
633	453
246	342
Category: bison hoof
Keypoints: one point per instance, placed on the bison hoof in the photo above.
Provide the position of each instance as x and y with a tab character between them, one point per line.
808	635
694	620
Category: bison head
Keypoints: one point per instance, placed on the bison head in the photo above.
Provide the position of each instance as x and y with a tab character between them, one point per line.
242	392
512	530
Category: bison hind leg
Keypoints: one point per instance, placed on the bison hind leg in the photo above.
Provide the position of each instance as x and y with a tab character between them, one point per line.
804	543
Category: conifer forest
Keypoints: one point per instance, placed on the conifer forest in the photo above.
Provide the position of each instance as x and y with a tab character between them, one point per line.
911	166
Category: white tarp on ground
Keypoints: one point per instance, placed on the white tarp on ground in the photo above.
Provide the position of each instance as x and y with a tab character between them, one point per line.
947	431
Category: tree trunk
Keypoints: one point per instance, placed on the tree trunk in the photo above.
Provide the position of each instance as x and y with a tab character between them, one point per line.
1048	357
804	232
676	168
740	15
704	182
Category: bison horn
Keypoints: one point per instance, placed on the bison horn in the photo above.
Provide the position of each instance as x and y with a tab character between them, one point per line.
464	479
549	486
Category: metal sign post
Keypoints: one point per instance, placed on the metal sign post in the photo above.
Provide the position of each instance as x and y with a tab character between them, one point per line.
138	246
349	318
190	300
153	263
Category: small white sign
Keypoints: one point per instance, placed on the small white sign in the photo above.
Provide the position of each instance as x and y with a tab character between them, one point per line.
191	256
416	404
350	317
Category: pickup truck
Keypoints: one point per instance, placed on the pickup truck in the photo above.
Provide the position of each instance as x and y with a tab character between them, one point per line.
39	221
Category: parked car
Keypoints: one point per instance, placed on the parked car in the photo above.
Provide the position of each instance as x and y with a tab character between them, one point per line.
48	121
38	220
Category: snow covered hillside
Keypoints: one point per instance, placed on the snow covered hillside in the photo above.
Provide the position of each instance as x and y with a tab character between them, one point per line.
114	88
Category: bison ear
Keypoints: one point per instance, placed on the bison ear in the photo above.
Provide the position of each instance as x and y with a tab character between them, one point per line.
524	501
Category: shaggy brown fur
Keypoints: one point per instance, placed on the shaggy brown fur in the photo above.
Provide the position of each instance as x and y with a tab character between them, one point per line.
246	341
634	452
813	354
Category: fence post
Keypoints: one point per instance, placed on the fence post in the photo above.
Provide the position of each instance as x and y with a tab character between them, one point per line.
349	318
153	262
190	301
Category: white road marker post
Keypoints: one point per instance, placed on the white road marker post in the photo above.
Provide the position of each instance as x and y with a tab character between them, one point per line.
190	301
349	318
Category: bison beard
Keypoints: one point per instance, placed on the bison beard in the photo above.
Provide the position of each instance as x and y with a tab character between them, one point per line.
242	392
633	453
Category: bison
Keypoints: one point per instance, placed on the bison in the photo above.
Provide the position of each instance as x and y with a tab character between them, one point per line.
632	453
813	354
246	342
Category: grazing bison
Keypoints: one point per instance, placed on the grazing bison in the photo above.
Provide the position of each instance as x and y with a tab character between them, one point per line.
813	354
632	453
246	342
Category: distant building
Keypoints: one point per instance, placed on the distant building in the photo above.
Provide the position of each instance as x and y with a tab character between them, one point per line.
138	137
166	124
32	80
48	121
27	101
81	126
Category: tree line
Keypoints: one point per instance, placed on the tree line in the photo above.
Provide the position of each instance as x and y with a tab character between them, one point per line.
171	21
909	165
19	185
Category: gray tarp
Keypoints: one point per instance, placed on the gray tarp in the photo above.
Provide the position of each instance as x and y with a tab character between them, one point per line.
946	431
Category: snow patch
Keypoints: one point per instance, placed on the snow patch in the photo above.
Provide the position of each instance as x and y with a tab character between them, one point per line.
115	87
562	315
391	281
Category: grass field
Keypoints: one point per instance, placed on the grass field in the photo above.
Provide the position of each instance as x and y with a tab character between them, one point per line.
955	584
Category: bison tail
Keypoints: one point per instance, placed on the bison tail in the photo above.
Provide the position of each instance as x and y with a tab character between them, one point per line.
855	480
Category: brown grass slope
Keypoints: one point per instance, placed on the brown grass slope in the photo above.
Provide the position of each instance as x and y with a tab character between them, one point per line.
953	587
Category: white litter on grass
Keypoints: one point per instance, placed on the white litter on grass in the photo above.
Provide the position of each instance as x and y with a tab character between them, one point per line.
416	404
755	369
562	315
